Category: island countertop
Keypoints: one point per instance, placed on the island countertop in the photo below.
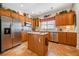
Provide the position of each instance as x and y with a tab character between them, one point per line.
40	33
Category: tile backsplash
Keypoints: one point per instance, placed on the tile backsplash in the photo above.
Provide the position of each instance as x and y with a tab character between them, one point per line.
69	28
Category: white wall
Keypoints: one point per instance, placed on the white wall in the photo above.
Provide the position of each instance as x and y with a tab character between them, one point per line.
76	8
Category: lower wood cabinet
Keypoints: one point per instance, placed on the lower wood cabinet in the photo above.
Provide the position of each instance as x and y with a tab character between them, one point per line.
24	36
69	38
49	36
62	37
38	44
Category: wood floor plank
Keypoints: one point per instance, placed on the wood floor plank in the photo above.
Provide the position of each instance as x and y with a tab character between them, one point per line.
54	49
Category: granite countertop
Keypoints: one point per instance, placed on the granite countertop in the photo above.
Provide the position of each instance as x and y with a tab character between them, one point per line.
40	33
65	31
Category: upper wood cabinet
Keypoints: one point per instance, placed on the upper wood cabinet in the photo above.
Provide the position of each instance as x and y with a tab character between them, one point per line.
65	19
58	20
14	15
70	18
35	23
4	13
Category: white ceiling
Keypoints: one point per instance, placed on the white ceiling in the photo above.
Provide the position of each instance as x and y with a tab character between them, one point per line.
37	8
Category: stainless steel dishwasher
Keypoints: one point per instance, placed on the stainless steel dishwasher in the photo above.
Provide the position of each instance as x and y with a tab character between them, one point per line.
54	36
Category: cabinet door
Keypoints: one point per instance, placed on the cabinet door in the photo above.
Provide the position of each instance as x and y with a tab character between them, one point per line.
23	36
31	42
70	20
5	13
58	20
33	23
49	36
62	37
71	38
37	22
61	20
27	36
36	43
64	20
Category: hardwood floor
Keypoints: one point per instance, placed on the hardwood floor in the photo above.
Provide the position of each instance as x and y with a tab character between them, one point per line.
54	49
62	50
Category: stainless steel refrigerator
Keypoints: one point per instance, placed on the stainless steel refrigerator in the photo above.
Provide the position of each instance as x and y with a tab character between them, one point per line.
10	33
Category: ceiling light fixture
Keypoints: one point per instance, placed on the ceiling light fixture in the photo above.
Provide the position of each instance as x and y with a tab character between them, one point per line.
21	5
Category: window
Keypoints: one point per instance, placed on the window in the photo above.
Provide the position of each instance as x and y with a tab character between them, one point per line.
47	25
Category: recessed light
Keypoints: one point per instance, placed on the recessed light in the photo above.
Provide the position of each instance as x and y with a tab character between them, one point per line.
32	12
21	5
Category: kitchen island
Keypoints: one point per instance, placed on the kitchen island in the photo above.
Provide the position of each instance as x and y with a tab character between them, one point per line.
38	43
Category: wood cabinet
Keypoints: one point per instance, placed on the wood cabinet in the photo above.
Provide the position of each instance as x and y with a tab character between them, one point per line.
71	18
62	37
22	18
25	36
38	43
14	15
65	19
5	12
61	20
35	23
69	38
31	42
49	36
58	20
